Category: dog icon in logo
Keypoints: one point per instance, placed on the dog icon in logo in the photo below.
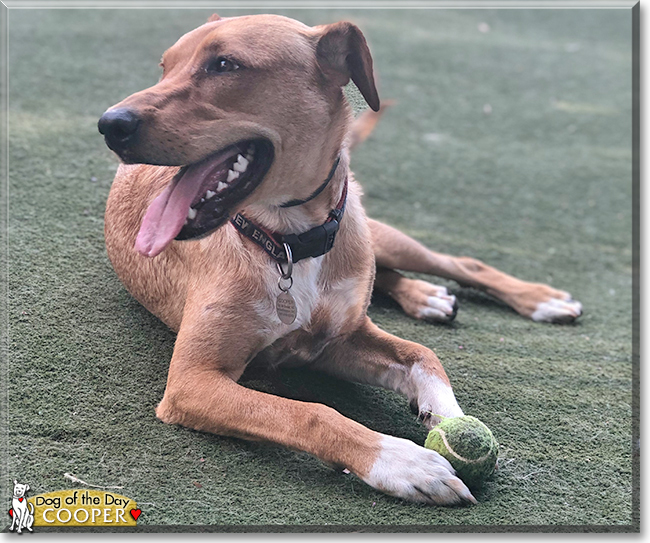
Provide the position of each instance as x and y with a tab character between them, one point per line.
22	512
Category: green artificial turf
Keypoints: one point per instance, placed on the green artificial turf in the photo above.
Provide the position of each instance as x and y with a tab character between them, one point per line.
512	146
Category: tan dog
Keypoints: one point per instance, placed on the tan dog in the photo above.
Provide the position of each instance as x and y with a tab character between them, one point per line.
252	110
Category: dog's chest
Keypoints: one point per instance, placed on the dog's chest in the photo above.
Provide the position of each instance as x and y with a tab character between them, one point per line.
303	289
322	310
19	503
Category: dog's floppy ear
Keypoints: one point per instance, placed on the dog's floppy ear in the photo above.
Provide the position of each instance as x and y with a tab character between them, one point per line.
214	17
15	481
26	488
343	53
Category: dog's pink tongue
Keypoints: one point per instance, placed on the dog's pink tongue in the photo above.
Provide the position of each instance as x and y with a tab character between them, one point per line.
166	215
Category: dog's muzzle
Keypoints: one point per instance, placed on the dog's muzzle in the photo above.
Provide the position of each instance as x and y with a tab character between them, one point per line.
119	126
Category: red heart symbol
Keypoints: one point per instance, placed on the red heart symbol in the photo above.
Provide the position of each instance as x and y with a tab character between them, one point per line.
135	513
20	500
11	513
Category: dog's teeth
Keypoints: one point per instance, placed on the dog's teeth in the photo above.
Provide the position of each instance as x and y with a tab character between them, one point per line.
251	150
191	214
209	194
202	200
232	175
221	186
249	157
241	164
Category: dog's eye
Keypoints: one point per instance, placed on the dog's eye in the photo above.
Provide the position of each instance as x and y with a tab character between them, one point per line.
221	65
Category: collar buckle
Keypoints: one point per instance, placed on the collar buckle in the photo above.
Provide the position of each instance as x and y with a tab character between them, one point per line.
336	214
314	242
292	248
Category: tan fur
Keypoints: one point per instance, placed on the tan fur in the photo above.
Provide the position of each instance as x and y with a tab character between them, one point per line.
207	289
215	291
394	250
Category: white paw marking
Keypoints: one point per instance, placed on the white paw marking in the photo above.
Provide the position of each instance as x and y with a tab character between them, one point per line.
408	471
432	396
556	310
439	307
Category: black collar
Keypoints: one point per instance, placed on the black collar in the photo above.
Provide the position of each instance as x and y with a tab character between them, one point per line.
297	202
310	244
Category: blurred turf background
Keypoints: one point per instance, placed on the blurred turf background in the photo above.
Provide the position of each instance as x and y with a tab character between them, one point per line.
510	141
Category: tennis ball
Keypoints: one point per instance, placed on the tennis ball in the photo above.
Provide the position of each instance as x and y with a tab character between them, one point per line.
469	446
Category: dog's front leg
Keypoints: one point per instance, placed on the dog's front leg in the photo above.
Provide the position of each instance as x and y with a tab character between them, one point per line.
371	356
202	393
204	397
19	522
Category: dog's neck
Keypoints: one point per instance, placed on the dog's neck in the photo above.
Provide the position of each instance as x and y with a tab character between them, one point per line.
300	218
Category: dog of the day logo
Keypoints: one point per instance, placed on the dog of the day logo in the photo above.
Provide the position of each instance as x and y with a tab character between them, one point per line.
72	507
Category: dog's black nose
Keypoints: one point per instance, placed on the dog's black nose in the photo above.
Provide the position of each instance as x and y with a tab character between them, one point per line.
119	126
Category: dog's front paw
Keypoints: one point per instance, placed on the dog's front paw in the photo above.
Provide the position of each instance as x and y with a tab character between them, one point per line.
427	414
431	398
408	471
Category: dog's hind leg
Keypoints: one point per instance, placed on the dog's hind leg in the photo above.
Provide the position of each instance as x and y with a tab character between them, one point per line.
397	251
30	517
419	299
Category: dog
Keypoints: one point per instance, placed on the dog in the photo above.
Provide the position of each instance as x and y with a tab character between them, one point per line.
22	512
249	125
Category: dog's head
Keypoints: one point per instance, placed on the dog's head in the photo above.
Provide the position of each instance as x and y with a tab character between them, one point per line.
20	490
251	108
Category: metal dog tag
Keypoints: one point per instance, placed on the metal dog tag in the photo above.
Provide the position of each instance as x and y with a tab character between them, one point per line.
285	306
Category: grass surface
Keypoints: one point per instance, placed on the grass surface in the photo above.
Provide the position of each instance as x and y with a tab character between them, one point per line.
539	187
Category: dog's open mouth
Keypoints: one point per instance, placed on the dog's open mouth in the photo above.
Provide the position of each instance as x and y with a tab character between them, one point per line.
201	196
